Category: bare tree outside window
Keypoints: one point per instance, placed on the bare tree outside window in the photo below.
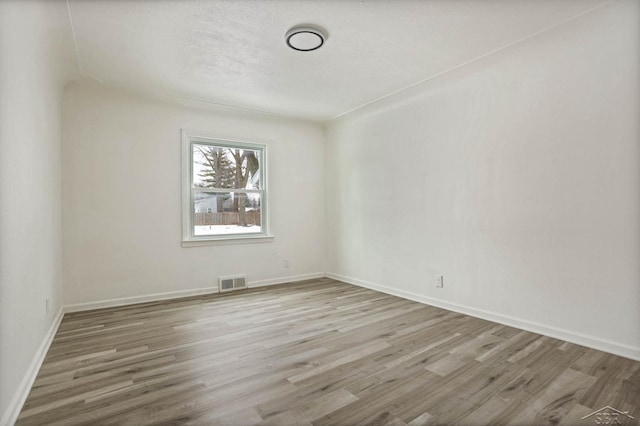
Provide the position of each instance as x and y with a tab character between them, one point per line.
227	189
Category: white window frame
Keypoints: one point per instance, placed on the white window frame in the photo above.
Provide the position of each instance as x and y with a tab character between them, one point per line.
189	138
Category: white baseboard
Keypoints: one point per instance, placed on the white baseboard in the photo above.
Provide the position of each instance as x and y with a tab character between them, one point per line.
284	280
557	333
123	301
112	303
13	410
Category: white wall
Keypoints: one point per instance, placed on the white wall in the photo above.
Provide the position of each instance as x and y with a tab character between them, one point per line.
122	195
35	52
516	176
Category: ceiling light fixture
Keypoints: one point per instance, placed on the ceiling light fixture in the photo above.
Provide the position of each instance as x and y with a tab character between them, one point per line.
305	38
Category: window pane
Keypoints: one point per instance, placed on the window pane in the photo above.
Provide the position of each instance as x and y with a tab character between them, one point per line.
225	168
223	213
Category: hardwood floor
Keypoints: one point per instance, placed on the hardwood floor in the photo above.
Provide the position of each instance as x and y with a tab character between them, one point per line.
318	353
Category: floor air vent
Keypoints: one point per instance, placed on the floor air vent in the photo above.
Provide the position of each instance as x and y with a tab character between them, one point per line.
232	283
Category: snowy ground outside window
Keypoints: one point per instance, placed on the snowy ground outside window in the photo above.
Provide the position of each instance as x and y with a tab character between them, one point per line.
225	230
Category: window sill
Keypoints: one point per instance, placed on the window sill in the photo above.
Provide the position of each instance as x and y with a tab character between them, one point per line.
229	241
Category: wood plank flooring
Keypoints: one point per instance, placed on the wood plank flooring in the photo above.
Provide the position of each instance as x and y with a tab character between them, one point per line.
319	352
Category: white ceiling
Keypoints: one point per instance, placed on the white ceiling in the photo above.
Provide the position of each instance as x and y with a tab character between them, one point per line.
233	52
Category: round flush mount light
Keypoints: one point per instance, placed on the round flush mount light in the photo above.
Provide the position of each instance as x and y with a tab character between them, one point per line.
305	38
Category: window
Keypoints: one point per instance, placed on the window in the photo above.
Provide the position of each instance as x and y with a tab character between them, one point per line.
224	189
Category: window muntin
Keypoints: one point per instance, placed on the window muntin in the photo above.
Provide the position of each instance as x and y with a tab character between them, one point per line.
225	193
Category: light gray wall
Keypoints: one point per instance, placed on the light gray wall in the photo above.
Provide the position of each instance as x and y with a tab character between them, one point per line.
35	59
122	197
515	176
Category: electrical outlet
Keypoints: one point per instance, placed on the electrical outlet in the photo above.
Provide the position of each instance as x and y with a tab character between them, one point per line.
439	281
286	263
46	305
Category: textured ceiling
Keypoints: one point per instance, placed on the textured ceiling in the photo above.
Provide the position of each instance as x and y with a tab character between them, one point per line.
233	52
